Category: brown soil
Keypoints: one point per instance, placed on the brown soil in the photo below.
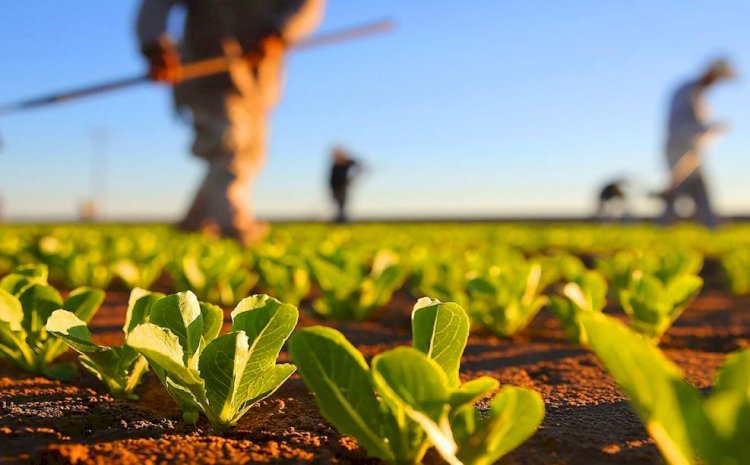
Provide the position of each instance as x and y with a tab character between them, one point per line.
587	421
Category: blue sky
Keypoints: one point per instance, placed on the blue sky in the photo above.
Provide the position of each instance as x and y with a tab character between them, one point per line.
480	107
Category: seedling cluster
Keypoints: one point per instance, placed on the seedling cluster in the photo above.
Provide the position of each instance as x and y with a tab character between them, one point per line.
404	401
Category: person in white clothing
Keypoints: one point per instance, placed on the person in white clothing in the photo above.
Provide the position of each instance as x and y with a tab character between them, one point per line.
229	112
689	131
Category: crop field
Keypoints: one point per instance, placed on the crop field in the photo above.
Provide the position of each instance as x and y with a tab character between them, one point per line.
415	343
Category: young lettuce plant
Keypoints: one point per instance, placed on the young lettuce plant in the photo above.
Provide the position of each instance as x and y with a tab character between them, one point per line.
585	293
349	295
506	299
443	280
285	277
675	262
559	268
687	428
26	302
411	398
220	376
217	272
119	368
665	265
140	273
444	272
736	267
88	268
653	306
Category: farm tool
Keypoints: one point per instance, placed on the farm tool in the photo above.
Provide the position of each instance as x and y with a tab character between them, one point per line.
197	69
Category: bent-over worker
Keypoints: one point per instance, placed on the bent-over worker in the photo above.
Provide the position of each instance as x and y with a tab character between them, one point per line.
689	131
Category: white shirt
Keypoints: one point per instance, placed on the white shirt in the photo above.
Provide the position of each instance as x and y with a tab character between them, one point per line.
688	126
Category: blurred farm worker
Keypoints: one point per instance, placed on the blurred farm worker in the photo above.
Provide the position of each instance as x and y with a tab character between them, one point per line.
613	203
343	171
229	112
689	132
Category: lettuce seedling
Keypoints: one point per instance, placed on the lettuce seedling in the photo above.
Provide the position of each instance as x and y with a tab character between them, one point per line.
350	294
26	302
687	428
119	368
411	398
665	265
585	293
506	299
87	268
217	272
443	280
674	263
285	277
441	273
559	268
736	267
653	306
220	376
140	273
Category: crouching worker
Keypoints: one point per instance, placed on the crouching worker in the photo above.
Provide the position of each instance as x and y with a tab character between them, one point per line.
229	112
613	201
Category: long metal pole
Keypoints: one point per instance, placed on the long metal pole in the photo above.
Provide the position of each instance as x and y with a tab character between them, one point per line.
195	70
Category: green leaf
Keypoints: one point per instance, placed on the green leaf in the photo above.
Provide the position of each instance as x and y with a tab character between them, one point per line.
588	291
183	396
264	385
73	330
267	323
84	302
60	371
734	374
162	349
668	406
653	306
11	311
15	284
38	301
440	330
332	278
728	410
382	282
213	319
181	314
14	349
139	307
408	377
34	271
481	286
515	414
415	387
23	277
221	365
683	289
338	375
473	391
728	438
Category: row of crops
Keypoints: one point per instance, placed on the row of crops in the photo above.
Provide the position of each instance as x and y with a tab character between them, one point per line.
359	267
406	400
